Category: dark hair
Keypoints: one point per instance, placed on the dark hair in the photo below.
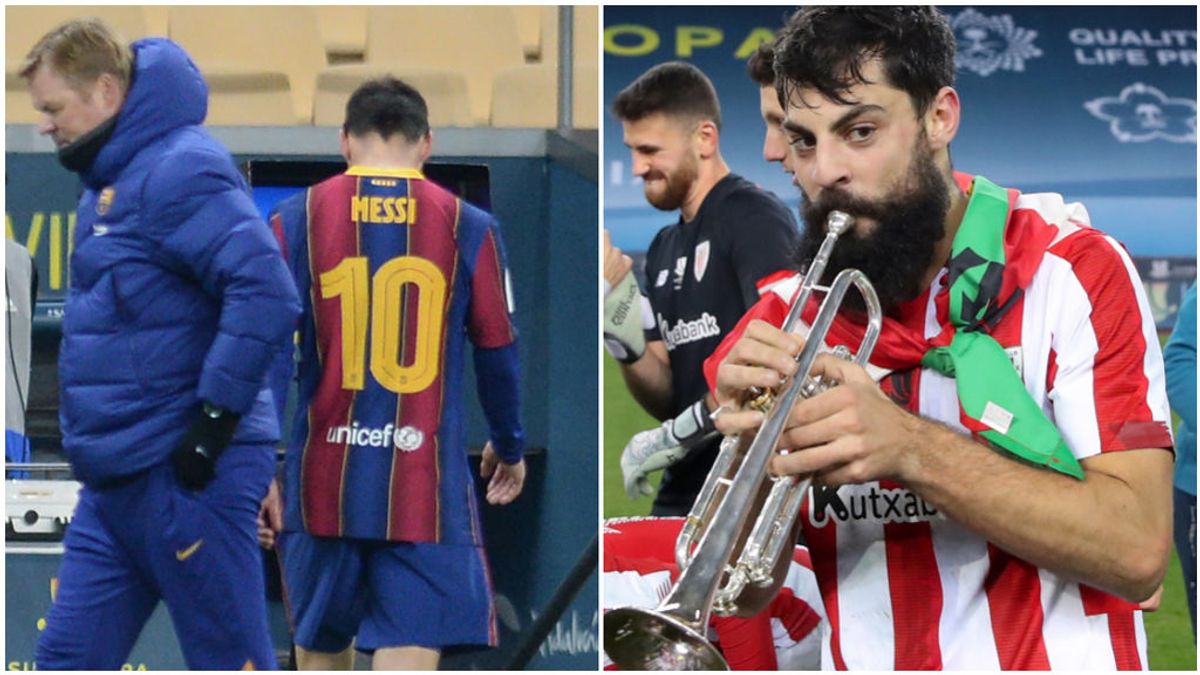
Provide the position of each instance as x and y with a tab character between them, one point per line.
387	106
761	65
825	48
675	89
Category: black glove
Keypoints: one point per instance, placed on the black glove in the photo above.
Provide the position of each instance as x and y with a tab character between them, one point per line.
195	458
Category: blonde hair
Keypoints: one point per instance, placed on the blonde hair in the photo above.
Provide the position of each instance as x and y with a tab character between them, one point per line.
81	50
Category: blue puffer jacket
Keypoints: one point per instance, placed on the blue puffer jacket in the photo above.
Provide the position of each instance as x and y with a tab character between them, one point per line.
178	291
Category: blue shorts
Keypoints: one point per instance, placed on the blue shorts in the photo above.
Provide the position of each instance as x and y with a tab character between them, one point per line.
388	594
148	538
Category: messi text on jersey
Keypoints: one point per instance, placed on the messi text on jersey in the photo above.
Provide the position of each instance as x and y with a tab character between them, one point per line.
383	210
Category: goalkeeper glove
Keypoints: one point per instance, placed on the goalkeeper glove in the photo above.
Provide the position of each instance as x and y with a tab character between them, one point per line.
648	451
195	458
662	446
623	336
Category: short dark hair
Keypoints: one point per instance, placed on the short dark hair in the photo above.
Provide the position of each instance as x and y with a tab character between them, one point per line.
825	48
675	89
387	106
761	65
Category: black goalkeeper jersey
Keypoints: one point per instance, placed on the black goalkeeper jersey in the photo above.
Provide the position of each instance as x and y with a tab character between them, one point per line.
701	278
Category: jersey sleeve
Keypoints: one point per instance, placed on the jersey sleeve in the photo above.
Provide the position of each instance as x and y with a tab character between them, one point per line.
1106	380
746	643
770	308
497	363
490	320
764	240
287	221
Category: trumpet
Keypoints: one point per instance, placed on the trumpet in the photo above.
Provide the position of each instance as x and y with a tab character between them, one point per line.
672	636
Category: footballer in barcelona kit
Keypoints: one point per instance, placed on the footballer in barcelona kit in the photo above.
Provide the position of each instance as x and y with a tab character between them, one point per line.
396	275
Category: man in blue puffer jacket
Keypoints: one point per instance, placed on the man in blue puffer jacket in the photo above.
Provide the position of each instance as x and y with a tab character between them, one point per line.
178	300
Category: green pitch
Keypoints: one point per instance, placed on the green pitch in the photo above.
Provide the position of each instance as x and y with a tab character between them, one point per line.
1169	631
623	418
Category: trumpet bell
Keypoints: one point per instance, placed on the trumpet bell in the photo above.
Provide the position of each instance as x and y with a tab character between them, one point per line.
643	639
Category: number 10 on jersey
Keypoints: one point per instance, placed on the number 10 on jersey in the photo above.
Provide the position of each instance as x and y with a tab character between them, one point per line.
384	305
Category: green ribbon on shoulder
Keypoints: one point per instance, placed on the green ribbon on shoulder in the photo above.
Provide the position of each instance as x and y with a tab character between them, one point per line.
990	392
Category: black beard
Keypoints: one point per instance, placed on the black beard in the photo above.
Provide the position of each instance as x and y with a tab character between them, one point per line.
896	255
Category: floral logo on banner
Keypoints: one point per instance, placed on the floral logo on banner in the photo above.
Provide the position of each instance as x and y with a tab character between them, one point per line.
990	43
1142	113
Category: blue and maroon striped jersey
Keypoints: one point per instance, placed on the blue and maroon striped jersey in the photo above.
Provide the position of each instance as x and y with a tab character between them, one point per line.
395	274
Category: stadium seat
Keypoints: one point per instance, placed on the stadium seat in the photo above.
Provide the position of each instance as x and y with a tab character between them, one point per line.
529	30
156	19
586	110
549	29
25	25
243	96
343	32
445	92
477	42
262	39
524	96
527	96
516	87
587	35
18	106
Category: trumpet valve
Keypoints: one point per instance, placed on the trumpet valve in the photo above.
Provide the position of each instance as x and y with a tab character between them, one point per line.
725	601
762	402
811	387
724	607
760	577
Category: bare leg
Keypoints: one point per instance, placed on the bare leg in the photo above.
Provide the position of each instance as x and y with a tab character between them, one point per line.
406	658
312	660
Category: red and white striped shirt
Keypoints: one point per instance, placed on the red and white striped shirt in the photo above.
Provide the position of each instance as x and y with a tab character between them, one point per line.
639	569
907	589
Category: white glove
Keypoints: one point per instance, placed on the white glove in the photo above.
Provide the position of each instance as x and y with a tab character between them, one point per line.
623	320
648	451
660	447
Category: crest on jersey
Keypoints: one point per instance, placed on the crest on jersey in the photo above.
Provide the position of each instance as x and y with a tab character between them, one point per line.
409	438
990	43
105	200
701	264
680	268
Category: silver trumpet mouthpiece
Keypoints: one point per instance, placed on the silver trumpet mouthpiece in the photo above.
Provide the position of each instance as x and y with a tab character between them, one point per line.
838	222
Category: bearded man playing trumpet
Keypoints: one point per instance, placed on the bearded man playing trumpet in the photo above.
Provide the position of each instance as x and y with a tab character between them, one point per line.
994	489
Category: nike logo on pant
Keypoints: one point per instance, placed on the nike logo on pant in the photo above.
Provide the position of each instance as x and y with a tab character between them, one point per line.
184	554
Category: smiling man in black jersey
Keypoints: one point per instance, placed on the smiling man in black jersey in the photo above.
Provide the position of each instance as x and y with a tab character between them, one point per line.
701	273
